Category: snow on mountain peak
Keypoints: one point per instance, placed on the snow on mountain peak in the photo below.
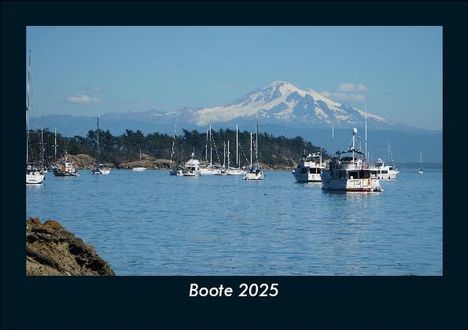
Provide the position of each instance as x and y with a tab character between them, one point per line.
283	101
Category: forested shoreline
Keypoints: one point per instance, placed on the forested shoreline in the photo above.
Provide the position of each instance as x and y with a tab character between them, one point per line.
116	150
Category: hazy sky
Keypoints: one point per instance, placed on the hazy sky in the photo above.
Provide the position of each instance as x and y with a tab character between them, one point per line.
91	70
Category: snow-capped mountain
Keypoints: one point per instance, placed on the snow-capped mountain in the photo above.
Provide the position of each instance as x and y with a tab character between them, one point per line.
283	102
283	108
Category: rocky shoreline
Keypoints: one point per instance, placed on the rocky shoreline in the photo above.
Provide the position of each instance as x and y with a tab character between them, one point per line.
52	250
83	162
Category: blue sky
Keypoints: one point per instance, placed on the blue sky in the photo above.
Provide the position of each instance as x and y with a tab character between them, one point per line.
91	70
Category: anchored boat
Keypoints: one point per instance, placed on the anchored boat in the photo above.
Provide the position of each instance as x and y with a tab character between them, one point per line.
309	168
100	168
350	171
254	173
34	174
65	168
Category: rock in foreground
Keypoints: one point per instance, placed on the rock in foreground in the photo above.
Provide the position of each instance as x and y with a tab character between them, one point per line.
52	250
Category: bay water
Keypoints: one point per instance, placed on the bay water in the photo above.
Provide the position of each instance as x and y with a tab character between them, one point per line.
151	223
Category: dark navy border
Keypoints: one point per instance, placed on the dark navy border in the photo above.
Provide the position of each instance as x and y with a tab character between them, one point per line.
303	302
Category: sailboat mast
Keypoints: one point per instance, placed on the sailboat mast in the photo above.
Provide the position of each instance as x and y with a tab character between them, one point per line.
256	142
365	132
42	145
251	149
211	149
28	81
55	145
237	146
97	143
224	154
206	147
228	163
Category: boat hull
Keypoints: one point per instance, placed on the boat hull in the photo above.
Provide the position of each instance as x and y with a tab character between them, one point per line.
235	171
351	185
34	178
209	171
61	173
306	177
254	176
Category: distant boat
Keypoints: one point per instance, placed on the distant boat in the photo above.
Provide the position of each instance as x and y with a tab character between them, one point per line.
309	168
139	168
34	173
349	171
192	167
100	168
420	170
382	171
236	170
65	168
254	173
174	166
209	169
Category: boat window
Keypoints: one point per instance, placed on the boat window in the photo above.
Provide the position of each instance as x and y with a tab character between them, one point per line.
353	174
385	172
364	174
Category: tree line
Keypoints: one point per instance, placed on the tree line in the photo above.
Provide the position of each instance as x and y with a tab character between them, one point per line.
273	150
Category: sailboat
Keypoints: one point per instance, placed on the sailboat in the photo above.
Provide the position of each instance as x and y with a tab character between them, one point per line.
236	170
209	169
254	173
139	168
420	170
34	174
100	168
174	166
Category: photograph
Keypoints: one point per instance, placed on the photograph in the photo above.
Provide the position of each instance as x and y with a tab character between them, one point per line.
234	150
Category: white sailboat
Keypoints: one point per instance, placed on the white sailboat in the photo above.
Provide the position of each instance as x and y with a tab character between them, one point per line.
209	169
236	170
174	166
100	168
34	174
420	170
254	173
139	168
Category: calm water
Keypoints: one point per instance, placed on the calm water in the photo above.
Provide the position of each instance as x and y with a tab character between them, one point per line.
151	223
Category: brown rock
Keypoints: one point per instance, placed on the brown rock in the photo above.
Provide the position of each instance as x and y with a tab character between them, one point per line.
52	250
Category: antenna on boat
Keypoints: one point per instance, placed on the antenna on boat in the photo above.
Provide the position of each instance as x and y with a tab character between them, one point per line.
354	140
